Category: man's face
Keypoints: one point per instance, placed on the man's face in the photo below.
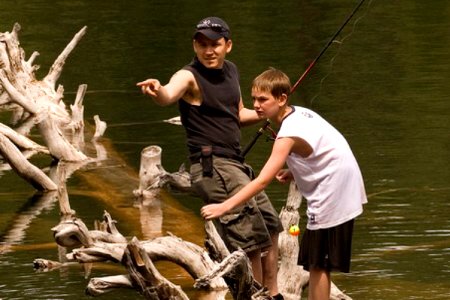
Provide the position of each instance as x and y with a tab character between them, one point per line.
211	53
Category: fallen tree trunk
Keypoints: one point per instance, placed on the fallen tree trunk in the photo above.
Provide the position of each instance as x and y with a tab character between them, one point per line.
23	167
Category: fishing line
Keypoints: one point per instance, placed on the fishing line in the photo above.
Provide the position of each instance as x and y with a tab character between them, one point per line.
107	92
339	42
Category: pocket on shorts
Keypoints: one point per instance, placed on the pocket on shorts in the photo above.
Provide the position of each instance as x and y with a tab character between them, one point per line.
196	172
245	229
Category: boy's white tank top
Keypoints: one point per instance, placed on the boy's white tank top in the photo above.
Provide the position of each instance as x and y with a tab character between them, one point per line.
330	178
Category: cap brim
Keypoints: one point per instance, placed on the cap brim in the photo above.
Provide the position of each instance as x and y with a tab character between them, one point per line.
210	34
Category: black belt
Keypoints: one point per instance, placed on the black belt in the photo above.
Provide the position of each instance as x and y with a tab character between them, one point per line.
216	151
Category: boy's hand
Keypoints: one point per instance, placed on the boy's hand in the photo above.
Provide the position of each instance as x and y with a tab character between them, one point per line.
284	176
212	211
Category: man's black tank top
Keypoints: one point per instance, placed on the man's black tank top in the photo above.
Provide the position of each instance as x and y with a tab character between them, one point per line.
216	121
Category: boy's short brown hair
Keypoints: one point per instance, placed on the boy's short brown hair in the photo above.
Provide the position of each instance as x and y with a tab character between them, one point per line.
273	81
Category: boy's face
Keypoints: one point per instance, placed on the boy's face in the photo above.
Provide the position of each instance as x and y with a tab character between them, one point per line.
266	105
211	53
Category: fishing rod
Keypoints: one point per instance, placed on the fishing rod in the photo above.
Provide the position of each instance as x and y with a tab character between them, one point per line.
266	124
255	138
294	87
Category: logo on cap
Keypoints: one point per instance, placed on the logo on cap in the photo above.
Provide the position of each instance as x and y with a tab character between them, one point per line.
213	28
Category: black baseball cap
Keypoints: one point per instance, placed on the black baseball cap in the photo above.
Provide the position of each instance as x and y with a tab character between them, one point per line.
213	28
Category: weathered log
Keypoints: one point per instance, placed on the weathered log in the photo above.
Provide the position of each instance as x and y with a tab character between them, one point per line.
23	167
291	277
153	176
57	142
239	277
337	294
147	195
15	95
236	267
145	277
45	265
106	284
193	258
179	180
190	256
72	232
76	125
110	245
21	141
108	225
149	171
175	121
214	244
56	68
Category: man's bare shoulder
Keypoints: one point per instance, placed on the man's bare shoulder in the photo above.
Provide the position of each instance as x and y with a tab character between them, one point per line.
183	74
192	91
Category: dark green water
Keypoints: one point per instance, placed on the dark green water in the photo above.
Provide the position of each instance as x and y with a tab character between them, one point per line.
384	85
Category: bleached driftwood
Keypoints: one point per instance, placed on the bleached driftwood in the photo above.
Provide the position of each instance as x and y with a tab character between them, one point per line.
234	267
209	269
23	167
38	103
145	277
106	243
153	176
292	279
38	98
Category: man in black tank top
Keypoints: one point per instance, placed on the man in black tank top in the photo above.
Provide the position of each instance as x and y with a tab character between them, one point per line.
208	95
